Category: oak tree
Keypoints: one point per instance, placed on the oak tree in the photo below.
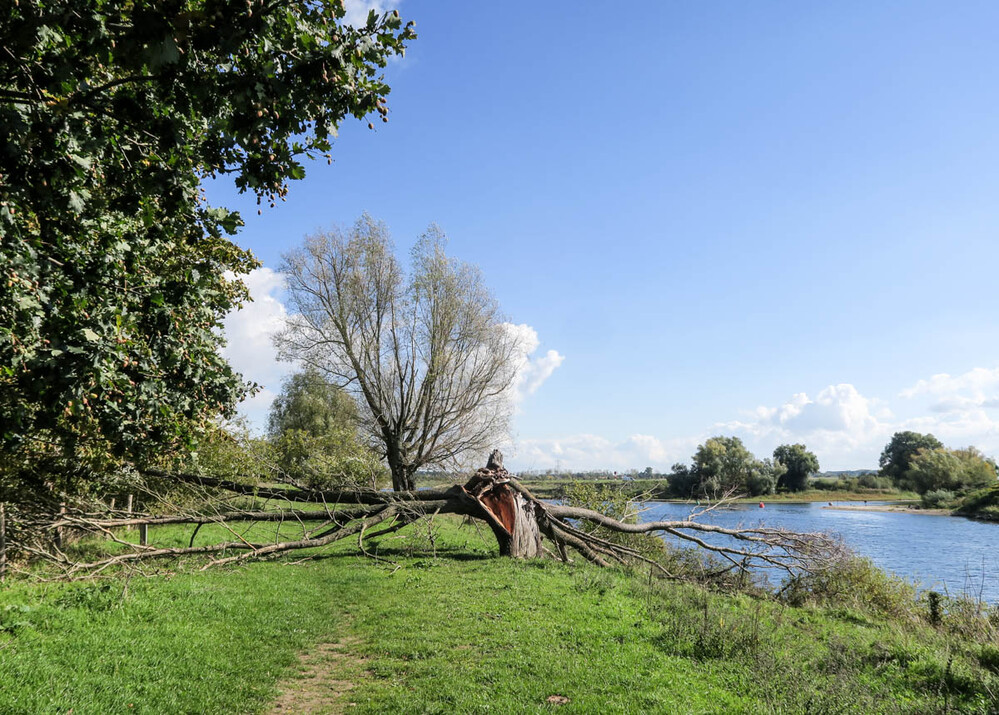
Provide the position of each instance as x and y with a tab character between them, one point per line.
113	267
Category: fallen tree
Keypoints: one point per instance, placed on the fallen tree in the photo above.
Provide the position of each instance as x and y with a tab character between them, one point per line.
524	526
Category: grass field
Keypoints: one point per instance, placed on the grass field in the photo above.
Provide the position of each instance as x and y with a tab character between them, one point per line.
449	627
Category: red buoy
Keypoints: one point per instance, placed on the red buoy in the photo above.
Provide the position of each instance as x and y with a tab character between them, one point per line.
761	505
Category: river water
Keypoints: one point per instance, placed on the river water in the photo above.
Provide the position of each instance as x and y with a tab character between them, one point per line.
949	554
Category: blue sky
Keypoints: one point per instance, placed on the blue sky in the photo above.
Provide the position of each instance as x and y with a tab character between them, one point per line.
775	219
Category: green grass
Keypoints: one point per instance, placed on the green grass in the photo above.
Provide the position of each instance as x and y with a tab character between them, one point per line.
456	629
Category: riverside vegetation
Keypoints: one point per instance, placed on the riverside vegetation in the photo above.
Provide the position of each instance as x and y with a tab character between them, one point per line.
437	623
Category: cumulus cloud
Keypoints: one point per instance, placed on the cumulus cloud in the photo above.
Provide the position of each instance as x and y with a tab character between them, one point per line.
842	426
248	332
969	391
847	429
590	451
531	372
356	11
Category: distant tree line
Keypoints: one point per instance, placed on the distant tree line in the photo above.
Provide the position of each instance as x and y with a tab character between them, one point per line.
724	465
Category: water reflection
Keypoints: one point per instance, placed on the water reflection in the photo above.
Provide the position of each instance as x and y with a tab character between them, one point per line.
948	554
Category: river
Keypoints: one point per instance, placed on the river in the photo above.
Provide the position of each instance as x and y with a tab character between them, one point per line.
949	554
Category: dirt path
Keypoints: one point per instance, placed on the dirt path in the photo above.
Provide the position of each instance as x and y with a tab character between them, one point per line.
326	675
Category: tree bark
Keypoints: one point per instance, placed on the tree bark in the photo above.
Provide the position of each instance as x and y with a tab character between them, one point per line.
512	516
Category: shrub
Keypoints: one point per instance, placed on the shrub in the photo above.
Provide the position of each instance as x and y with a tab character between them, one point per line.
855	582
873	481
616	504
938	498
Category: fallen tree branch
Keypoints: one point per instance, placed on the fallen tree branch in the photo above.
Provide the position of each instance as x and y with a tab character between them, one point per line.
518	519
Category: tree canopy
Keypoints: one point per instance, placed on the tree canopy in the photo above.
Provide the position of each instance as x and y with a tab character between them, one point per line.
799	463
314	434
426	354
113	268
724	464
895	457
953	470
310	403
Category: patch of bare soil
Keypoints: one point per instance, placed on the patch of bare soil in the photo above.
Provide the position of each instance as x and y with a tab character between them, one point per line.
326	675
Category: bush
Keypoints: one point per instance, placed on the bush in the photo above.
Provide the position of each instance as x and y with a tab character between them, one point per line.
938	498
873	481
616	504
335	459
856	583
983	504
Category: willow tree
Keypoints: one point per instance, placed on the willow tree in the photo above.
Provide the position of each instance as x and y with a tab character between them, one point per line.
426	352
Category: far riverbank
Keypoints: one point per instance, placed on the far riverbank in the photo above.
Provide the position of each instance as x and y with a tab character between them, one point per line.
904	508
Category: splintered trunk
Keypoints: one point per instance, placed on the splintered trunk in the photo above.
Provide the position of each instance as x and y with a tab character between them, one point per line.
513	517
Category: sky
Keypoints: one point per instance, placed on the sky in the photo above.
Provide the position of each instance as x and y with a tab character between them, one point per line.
773	220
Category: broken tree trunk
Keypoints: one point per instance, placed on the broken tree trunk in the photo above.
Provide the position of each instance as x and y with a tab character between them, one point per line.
512	516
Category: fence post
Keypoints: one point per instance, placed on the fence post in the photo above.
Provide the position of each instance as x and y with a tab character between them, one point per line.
143	534
59	530
128	508
3	542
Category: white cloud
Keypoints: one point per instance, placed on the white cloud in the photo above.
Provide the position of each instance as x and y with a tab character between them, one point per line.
590	451
972	390
248	332
843	427
531	373
356	11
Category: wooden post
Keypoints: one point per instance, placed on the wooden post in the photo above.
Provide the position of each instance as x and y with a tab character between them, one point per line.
112	503
143	534
59	530
128	508
3	543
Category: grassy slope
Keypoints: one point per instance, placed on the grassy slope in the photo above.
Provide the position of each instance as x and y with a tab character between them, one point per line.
982	504
462	631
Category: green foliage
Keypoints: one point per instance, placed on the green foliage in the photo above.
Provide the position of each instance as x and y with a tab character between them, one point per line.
723	464
333	459
938	498
232	453
617	504
872	481
682	481
310	403
902	447
954	470
112	266
855	582
314	435
799	464
982	504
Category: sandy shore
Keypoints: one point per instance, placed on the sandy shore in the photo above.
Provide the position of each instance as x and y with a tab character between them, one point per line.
903	508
